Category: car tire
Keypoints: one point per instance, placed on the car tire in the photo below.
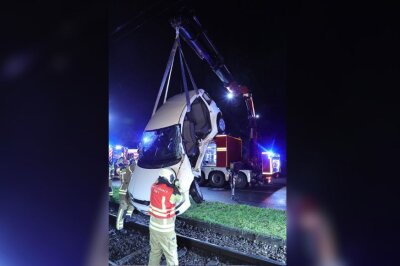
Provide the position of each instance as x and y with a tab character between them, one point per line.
216	179
201	180
220	124
195	192
241	180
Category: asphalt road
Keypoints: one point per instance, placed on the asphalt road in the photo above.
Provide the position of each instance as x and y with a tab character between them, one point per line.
264	197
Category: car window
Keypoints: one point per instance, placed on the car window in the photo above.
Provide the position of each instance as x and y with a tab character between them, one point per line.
160	148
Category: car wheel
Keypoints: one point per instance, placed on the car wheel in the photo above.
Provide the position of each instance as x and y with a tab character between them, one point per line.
241	180
220	123
195	192
201	180
217	179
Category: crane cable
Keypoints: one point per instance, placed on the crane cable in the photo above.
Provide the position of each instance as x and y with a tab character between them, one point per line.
188	70
167	70
169	78
188	109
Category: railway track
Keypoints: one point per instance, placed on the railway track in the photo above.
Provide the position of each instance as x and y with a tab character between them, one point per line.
195	244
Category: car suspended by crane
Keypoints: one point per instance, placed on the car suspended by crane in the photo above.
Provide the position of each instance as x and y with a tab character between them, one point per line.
180	130
175	137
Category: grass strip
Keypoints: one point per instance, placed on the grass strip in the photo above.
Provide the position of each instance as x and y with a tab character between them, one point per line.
115	196
268	222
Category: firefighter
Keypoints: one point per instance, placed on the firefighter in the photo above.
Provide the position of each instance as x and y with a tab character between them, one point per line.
125	206
110	177
110	171
234	171
164	196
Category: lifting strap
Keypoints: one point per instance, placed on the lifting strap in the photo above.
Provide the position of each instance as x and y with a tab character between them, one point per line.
169	78
188	70
167	70
184	78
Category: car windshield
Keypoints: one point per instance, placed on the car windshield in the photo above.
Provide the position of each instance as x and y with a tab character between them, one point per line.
160	148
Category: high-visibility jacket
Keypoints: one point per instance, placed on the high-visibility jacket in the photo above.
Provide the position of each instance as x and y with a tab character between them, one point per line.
161	205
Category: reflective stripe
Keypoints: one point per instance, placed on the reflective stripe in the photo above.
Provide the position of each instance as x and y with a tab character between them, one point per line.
163	226
163	214
163	203
160	210
158	213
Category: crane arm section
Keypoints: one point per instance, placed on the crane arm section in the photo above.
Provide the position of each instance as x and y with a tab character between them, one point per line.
196	37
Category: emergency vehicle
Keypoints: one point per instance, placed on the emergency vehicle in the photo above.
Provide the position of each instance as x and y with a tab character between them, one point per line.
114	153
223	151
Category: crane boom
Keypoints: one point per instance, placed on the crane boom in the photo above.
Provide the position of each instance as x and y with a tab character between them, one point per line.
196	37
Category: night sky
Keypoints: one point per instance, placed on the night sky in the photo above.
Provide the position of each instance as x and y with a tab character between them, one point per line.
251	37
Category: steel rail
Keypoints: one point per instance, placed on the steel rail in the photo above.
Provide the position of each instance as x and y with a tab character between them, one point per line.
205	246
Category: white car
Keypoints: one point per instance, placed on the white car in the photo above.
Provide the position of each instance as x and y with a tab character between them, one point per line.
176	139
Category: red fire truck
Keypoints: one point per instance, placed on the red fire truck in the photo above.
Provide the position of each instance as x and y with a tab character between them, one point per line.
225	150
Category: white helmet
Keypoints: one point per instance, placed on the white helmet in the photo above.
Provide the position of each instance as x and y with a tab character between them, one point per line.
168	174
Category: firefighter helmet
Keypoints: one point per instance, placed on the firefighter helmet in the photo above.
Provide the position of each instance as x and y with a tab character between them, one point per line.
168	174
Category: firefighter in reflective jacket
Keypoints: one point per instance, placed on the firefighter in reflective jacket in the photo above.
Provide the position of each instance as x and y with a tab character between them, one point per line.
125	207
164	196
110	170
110	177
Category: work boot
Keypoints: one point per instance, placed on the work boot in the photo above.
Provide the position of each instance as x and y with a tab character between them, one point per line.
130	210
120	225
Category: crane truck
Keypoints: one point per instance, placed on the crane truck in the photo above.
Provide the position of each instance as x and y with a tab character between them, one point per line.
257	167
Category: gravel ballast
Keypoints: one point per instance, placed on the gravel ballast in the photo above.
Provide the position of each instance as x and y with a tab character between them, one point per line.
132	248
249	246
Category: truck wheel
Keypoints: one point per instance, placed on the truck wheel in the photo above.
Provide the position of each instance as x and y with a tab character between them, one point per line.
195	192
202	179
241	180
217	179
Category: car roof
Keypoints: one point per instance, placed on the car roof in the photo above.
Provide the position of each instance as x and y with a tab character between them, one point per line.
170	112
